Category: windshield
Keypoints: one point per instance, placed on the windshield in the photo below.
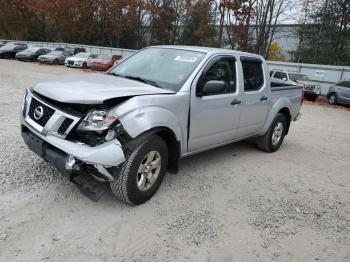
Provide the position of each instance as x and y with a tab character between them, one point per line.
55	53
82	55
296	77
167	68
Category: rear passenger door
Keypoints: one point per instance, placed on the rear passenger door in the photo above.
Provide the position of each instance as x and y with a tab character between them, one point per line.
255	98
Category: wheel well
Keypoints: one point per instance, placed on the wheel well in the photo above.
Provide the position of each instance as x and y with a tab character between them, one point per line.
174	149
174	146
331	94
285	111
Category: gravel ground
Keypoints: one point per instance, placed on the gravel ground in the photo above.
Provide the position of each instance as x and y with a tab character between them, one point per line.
234	203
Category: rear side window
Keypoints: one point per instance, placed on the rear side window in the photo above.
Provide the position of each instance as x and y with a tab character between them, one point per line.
280	75
344	84
253	75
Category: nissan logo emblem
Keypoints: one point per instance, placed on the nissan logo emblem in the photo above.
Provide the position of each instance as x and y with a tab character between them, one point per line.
38	112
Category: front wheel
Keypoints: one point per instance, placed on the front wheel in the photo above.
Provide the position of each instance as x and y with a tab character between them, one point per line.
142	173
272	140
332	99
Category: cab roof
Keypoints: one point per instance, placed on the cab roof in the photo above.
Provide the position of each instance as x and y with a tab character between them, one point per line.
209	50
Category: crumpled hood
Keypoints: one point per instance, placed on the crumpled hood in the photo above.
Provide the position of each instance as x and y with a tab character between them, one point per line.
93	88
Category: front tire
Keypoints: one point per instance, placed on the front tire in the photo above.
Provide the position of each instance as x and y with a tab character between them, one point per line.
142	173
84	65
332	99
272	140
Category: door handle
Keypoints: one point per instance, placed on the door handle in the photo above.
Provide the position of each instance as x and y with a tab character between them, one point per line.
236	102
264	98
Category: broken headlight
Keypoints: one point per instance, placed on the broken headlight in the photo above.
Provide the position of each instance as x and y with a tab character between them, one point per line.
97	120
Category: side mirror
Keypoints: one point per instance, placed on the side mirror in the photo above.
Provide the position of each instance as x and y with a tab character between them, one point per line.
212	87
284	78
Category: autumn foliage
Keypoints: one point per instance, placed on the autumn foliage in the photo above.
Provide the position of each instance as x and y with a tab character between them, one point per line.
130	23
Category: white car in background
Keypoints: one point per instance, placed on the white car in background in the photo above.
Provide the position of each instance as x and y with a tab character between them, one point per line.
80	60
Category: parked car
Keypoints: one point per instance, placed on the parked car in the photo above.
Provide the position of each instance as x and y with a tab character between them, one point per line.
339	93
60	49
10	49
104	62
311	89
71	50
129	126
32	53
79	50
54	57
82	60
3	42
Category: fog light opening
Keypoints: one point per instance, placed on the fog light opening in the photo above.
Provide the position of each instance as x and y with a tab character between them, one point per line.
71	163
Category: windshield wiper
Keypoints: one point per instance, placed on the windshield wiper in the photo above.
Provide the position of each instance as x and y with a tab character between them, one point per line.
137	78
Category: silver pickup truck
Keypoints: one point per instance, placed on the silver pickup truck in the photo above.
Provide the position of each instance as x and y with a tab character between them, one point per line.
130	125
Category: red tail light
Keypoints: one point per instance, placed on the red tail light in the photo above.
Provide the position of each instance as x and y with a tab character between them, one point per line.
302	96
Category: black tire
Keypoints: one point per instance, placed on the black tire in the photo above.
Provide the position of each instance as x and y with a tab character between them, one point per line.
125	186
332	99
265	142
84	65
55	62
311	97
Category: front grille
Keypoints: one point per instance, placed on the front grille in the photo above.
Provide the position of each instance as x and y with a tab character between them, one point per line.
65	125
46	113
309	87
70	62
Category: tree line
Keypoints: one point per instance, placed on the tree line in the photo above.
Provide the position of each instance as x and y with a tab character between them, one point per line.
246	25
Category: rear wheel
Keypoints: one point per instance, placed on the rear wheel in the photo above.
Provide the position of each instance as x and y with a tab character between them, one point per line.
332	99
272	140
142	173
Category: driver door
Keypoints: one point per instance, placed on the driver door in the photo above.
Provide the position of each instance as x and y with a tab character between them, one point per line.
214	117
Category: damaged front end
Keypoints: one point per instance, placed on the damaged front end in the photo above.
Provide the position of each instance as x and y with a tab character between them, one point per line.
76	139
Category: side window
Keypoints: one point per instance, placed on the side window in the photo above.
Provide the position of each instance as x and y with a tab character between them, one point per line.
271	73
344	84
253	75
280	75
223	70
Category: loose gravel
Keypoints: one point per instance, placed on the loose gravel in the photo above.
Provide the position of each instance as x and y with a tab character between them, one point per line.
234	203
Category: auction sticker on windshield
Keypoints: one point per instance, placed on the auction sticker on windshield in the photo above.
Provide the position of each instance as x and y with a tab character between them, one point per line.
186	59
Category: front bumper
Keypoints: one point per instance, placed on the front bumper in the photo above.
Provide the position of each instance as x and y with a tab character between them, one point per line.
313	92
107	154
76	65
56	157
44	61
